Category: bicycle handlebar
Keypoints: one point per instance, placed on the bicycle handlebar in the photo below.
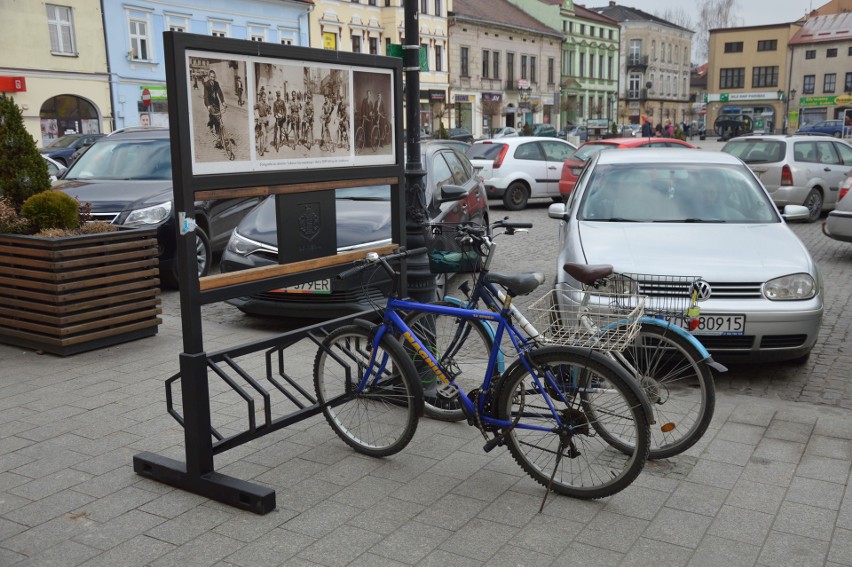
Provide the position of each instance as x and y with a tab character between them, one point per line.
373	258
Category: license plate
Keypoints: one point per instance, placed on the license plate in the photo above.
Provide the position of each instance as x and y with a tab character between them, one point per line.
720	325
319	287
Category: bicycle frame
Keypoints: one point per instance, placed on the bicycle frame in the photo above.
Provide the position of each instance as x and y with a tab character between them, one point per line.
393	321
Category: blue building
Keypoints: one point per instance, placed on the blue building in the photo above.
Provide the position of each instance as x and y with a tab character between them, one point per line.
134	35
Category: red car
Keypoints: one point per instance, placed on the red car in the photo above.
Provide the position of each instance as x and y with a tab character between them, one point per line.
574	163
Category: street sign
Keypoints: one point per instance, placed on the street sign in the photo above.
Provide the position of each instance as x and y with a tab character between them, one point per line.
395	50
146	97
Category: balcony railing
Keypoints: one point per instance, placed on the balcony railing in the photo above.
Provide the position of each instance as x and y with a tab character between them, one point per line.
635	60
640	94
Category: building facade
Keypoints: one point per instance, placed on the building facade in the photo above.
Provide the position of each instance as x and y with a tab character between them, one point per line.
134	33
504	67
656	58
821	69
748	75
53	63
378	27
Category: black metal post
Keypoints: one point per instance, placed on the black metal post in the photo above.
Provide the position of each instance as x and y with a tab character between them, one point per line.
421	282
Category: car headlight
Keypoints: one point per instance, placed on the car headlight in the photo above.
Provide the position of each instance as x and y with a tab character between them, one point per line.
790	288
242	246
149	215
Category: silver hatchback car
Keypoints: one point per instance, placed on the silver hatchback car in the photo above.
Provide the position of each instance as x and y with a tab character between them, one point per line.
667	212
796	170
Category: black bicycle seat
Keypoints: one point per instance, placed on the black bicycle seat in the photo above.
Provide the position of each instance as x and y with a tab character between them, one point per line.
587	273
517	284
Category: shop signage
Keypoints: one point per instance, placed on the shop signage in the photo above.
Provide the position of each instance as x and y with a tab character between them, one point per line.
523	83
739	97
547	100
840	100
492	97
462	98
155	92
329	41
13	84
437	96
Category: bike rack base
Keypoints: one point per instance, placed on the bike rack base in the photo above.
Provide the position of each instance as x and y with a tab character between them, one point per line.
213	485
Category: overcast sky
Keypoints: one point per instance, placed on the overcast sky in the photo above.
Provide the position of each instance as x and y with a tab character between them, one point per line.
749	12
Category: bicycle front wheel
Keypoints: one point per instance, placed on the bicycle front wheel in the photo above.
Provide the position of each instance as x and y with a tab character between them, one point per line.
374	138
571	458
461	346
379	417
678	385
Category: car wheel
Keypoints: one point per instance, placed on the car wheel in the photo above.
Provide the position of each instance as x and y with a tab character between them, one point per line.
814	204
515	198
836	134
203	260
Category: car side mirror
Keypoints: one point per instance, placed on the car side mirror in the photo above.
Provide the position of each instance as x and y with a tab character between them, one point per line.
452	193
795	213
557	211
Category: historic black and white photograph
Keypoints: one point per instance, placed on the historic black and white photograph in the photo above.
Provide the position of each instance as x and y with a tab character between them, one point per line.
218	110
301	112
373	126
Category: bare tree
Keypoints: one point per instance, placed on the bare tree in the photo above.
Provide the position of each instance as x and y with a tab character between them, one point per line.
712	14
676	16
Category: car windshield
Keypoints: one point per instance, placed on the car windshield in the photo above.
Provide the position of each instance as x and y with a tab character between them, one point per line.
484	151
756	151
584	152
496	131
63	142
675	193
124	159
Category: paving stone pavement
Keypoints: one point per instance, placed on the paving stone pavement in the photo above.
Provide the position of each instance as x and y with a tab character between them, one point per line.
767	485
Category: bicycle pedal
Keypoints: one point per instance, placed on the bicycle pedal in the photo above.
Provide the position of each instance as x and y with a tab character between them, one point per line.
447	391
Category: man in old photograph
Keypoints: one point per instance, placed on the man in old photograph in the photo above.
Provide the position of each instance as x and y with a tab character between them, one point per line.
214	100
261	122
279	111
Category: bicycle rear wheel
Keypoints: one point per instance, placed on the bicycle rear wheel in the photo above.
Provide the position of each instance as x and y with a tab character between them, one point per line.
461	346
584	387
678	385
379	419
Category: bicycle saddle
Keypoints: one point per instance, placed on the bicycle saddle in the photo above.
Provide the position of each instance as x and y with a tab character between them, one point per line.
516	284
587	273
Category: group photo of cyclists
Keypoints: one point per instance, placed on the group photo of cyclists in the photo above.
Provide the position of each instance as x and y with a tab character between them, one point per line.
300	112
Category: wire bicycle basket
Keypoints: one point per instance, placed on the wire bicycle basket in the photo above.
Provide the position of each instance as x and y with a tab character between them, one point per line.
447	250
602	320
672	298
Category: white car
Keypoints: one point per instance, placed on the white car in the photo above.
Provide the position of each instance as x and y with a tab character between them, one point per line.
519	169
504	132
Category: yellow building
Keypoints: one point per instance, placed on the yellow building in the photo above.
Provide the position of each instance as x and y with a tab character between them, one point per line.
371	26
53	63
748	76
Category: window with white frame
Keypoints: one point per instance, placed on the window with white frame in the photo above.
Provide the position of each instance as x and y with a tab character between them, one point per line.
219	28
60	24
439	57
287	36
177	22
633	81
140	39
257	33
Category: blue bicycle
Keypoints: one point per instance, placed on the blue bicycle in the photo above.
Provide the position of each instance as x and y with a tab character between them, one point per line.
636	321
548	407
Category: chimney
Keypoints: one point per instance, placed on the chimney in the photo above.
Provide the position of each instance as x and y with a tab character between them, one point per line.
612	3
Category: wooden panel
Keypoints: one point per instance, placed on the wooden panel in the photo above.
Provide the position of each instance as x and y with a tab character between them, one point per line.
102	301
256	274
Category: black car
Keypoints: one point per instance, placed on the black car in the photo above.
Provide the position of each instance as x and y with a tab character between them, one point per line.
461	134
363	219
127	179
63	148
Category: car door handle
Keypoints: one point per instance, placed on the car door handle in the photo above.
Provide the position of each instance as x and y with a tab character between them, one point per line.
826	169
551	167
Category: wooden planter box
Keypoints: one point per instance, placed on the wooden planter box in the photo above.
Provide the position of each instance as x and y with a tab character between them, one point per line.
78	293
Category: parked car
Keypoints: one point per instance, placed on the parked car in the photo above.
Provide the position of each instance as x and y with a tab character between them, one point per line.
61	149
461	134
828	127
504	132
838	225
519	169
580	131
629	130
544	130
363	219
796	170
127	179
573	164
54	168
705	214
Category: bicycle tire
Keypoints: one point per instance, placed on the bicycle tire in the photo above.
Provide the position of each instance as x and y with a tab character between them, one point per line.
374	138
678	385
463	356
382	419
591	468
359	139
